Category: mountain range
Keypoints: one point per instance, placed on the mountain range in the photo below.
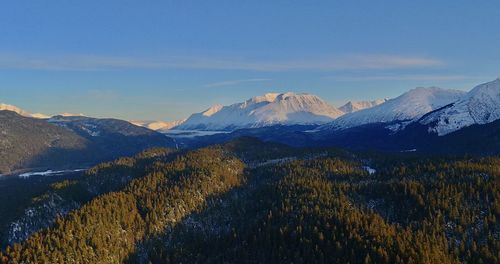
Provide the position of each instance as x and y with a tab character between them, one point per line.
418	120
444	110
408	106
423	119
269	109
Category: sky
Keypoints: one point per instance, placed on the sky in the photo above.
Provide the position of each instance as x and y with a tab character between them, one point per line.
163	60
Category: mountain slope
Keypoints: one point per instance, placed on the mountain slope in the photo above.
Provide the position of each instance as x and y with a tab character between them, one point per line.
114	137
354	106
408	106
475	140
159	125
13	108
24	140
260	111
479	106
69	141
20	111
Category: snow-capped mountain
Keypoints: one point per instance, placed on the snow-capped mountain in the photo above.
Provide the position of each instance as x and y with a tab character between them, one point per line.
269	109
39	116
354	106
408	106
22	112
28	114
69	114
158	125
479	106
14	109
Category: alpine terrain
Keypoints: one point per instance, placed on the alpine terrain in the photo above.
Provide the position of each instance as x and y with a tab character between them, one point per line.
406	107
354	106
269	109
479	106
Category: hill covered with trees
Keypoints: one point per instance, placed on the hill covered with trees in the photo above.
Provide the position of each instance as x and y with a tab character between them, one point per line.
69	142
252	202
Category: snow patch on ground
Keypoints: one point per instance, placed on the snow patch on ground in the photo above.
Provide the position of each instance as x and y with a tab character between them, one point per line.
47	173
369	169
409	150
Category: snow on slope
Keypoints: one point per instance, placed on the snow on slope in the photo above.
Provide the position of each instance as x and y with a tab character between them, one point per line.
40	116
479	106
408	106
269	109
69	114
35	115
21	111
158	125
353	106
14	109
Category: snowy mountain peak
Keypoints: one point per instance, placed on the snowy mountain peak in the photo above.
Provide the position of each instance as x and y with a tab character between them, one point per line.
28	114
40	116
268	97
70	114
269	109
212	110
432	95
408	106
158	125
479	106
13	108
354	106
21	111
486	89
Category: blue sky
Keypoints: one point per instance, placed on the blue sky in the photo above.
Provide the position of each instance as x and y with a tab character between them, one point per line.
163	60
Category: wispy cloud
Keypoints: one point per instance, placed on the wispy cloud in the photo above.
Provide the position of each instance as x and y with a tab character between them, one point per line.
403	77
325	63
234	82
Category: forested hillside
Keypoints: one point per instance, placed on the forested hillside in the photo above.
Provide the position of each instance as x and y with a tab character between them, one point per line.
253	202
33	203
25	141
69	142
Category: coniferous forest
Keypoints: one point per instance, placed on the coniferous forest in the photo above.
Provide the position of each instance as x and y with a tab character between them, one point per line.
247	201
